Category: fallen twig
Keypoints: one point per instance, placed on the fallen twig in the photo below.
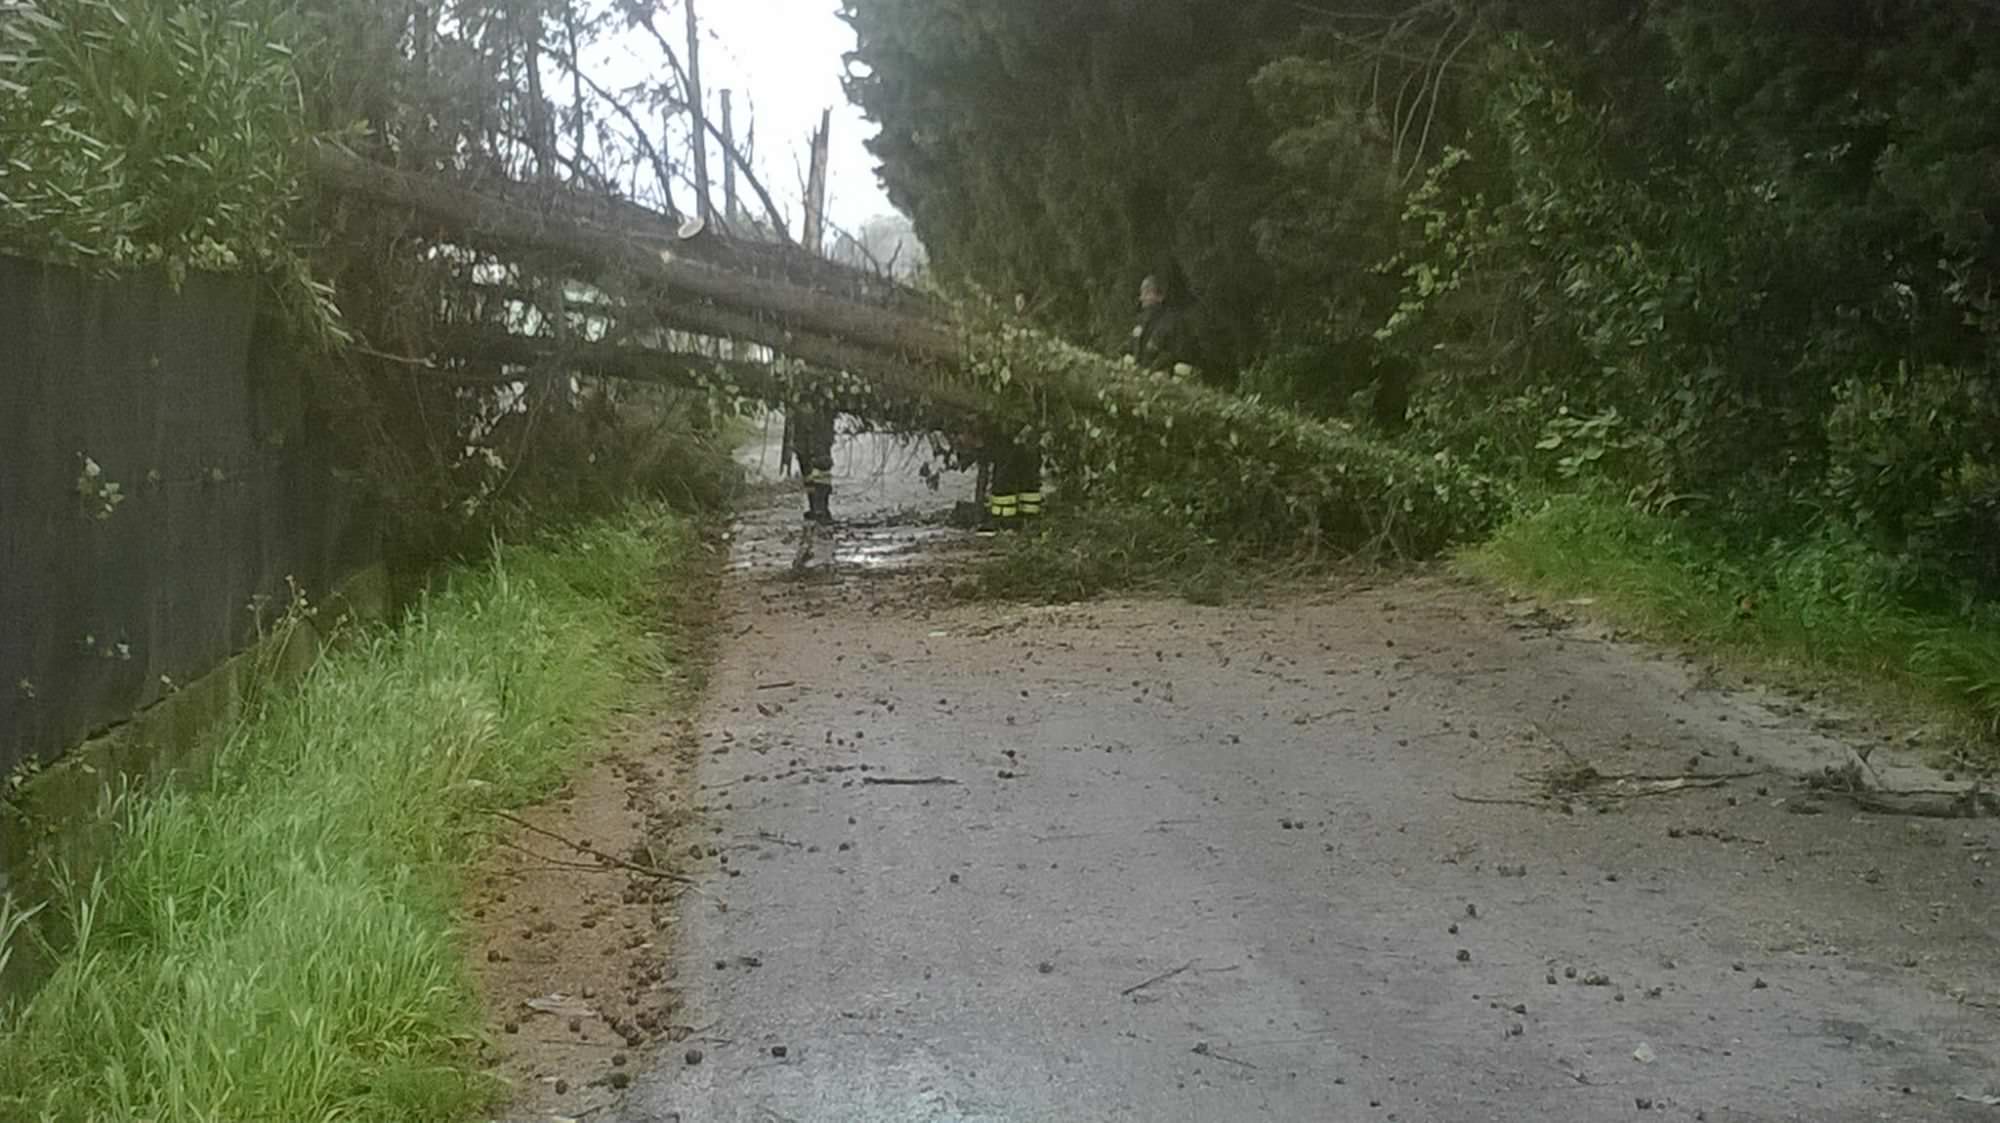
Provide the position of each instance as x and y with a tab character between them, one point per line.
1500	800
1714	834
1668	787
906	781
1202	1049
1356	946
776	685
556	863
1159	978
1600	786
1652	778
635	867
1924	803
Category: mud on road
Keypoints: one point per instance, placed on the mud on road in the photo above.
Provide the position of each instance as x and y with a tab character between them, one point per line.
1396	852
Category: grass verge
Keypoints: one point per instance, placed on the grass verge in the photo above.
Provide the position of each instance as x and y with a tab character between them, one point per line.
280	944
1821	611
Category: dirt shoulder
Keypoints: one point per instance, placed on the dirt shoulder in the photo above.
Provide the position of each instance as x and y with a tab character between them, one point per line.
571	914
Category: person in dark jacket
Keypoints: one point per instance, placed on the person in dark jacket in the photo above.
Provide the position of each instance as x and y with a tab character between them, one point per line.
1159	340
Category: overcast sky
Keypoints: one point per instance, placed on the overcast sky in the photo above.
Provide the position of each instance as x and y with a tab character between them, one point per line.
783	59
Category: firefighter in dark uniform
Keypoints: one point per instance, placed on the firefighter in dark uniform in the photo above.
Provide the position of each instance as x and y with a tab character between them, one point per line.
812	437
1014	498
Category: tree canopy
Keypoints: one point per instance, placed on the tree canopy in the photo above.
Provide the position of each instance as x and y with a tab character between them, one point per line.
1736	258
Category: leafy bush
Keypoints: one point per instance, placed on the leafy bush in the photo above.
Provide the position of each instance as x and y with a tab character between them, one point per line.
140	133
1915	462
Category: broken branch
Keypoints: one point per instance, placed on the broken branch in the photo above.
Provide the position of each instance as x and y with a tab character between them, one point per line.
1159	978
635	867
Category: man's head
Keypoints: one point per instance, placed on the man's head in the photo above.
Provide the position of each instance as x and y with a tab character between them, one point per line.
1152	293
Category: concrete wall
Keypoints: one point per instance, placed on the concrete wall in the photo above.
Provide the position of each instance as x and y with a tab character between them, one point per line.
193	407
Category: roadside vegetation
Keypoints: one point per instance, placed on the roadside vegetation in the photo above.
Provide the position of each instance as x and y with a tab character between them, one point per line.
281	943
1718	277
1826	613
1814	613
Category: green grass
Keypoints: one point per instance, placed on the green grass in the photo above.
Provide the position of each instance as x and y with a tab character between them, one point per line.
281	944
1824	610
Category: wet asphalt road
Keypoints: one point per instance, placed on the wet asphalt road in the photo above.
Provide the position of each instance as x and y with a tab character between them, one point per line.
1139	861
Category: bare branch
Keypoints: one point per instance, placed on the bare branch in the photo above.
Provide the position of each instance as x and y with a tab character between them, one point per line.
660	167
742	163
777	217
1437	90
644	19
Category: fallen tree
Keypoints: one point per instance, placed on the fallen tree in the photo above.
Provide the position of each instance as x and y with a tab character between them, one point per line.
1219	461
689	272
884	393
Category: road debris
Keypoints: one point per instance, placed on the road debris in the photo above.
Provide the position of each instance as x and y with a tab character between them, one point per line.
1202	1049
561	1006
1159	978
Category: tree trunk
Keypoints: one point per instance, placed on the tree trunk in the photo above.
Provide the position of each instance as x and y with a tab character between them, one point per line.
540	131
575	80
491	350
815	234
778	307
729	207
703	206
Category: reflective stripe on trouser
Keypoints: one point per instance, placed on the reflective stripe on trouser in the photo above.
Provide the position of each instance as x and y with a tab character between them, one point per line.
1031	503
1003	506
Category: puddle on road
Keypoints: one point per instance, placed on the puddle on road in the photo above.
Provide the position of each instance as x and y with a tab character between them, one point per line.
893	549
892	518
875	550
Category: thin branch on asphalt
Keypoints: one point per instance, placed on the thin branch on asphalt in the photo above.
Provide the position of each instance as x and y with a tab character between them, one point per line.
1202	1049
1500	801
1159	978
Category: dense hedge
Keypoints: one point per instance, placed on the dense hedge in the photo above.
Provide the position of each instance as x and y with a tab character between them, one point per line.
1740	260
